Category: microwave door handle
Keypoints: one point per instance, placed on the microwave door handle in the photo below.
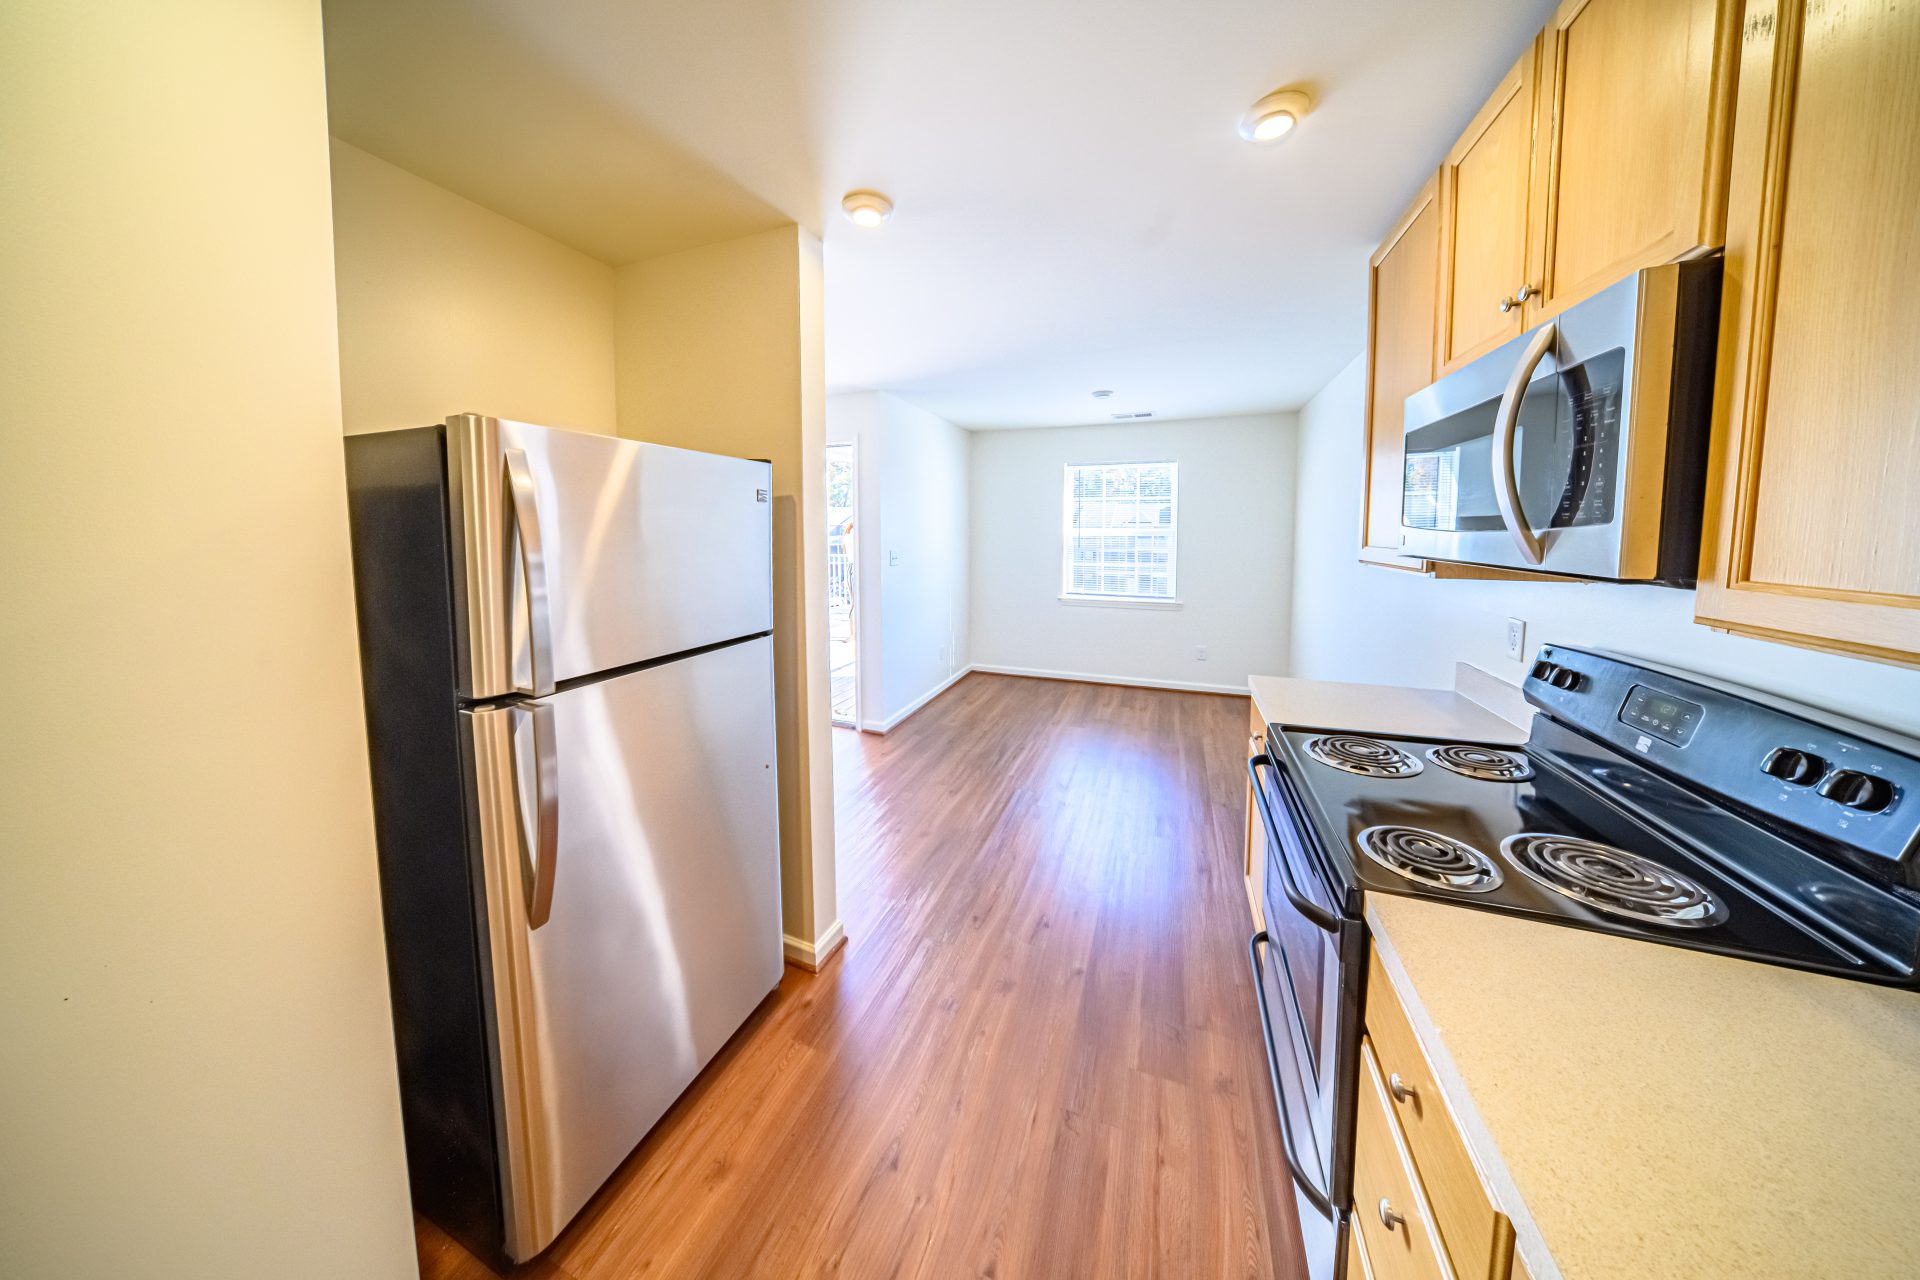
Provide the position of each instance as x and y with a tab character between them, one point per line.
1318	915
1506	439
525	498
1316	1195
538	857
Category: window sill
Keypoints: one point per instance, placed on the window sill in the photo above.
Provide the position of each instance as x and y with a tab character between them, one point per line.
1120	602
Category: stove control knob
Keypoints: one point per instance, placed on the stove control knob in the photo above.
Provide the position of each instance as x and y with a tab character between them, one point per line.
1862	791
1801	768
1566	678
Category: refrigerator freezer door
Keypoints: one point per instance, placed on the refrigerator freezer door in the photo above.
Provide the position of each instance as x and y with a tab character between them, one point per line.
664	932
643	551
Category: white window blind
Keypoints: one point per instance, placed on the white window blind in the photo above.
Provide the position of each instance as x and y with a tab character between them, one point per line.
1121	523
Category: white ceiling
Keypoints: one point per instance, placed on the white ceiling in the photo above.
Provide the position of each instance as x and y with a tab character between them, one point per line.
1073	207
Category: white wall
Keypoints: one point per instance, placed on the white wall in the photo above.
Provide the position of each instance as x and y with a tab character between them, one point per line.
911	530
1235	554
1356	622
195	1042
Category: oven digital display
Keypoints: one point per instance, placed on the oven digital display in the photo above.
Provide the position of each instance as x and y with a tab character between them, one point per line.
1663	715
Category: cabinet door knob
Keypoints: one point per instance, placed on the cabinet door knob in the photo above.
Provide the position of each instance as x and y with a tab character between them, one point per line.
1524	292
1506	305
1400	1089
1388	1218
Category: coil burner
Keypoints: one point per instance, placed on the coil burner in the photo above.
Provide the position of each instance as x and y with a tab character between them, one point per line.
1429	858
1614	881
1368	757
1488	764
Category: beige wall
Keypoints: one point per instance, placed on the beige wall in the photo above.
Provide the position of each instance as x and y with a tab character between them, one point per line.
196	1067
719	348
446	307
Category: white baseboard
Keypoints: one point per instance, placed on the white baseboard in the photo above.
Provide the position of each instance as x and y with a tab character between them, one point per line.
811	955
1138	682
894	721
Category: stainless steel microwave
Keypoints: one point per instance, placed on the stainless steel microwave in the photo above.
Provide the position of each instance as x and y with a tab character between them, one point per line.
1579	447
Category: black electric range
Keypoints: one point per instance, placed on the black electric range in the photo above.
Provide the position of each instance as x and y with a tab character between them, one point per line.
1646	803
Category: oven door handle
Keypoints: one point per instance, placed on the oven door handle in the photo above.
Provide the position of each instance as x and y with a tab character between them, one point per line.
1319	915
1315	1194
1506	440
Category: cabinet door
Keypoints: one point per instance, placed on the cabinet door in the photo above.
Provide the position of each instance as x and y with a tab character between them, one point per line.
1483	223
1632	143
1403	289
1812	532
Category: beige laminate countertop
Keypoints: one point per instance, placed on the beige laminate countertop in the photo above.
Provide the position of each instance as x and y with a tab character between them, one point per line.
1662	1112
1380	708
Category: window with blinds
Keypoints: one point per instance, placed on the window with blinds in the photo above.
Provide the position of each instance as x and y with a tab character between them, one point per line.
1121	520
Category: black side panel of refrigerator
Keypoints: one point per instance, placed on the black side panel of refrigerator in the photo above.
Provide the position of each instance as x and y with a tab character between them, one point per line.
431	888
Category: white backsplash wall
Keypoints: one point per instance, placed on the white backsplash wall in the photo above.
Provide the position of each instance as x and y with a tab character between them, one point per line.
1358	622
1236	490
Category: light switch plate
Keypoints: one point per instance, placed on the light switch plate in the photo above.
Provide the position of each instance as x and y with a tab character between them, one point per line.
1517	639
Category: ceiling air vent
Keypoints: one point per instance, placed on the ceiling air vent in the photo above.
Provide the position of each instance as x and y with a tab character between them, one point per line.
1128	417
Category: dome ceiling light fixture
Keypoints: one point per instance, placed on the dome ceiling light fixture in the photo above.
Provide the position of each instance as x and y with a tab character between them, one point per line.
1274	116
866	209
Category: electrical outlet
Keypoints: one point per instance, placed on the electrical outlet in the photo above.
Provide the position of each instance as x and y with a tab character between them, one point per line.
1517	639
1199	653
893	558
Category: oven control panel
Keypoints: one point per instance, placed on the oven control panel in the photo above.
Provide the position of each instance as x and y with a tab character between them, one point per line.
1666	716
1855	784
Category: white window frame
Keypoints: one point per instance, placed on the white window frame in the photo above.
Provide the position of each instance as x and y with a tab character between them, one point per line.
1068	595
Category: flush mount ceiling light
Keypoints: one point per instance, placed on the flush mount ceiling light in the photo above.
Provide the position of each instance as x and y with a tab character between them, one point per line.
1274	116
866	208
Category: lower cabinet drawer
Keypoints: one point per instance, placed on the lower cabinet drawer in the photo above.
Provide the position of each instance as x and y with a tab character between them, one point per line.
1478	1237
1390	1213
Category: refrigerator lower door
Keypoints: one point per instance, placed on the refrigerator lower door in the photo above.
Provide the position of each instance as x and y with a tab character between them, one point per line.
664	927
638	551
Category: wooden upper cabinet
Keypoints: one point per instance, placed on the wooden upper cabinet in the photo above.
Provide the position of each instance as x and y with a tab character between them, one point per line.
1483	223
1402	282
1632	136
1813	521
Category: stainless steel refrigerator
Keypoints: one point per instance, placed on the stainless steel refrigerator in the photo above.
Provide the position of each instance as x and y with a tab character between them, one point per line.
566	645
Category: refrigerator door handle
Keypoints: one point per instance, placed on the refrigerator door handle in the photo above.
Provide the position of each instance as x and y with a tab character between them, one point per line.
539	856
533	570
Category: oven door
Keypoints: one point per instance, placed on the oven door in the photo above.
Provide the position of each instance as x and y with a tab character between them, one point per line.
1309	964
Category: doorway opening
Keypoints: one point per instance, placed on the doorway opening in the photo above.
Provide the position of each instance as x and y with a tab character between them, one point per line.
842	587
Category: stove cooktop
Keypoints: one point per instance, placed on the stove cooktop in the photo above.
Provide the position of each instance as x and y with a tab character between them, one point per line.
1563	832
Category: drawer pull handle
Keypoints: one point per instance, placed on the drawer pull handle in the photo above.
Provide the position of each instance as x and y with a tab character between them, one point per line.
1388	1218
1400	1089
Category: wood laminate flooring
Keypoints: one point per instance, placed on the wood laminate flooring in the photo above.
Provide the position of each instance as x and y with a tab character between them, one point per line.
1038	1055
